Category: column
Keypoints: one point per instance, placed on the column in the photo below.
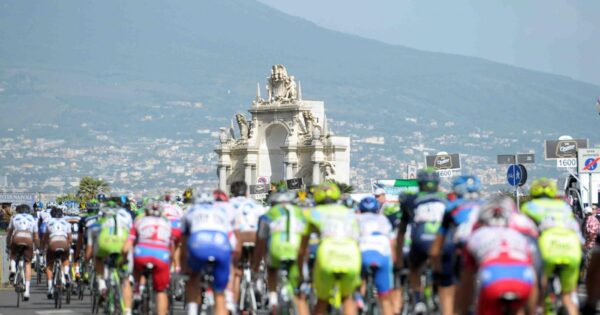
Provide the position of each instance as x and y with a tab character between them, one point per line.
289	171
316	178
223	177
248	174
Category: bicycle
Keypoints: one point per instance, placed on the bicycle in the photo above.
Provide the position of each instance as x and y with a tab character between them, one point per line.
19	281
371	300
58	279
38	267
285	292
114	295
507	300
247	296
148	298
175	290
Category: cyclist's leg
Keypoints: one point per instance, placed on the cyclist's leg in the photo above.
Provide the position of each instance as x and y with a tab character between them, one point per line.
323	284
126	283
221	278
447	282
161	278
417	256
50	257
569	277
384	282
28	255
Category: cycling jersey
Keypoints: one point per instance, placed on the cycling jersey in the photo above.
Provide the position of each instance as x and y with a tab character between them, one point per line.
503	260
338	256
174	213
247	212
424	213
560	239
44	217
110	232
209	232
459	219
23	225
375	246
74	222
58	228
152	238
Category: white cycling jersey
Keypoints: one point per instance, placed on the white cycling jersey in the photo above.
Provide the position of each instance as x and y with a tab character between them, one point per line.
217	217
498	243
58	228
45	215
172	211
375	233
247	212
23	225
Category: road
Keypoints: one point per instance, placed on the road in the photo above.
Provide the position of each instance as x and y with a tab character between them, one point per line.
38	304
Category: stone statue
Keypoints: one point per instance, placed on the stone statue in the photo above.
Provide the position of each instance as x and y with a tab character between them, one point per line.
329	170
223	137
244	127
280	86
309	123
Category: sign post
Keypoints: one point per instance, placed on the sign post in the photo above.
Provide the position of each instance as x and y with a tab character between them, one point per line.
516	174
444	163
564	151
587	163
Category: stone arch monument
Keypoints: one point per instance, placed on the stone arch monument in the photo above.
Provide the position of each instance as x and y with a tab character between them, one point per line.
285	137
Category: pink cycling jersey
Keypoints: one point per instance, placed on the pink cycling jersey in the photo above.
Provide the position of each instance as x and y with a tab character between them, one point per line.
152	232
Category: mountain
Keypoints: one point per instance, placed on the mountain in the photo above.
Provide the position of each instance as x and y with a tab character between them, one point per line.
122	67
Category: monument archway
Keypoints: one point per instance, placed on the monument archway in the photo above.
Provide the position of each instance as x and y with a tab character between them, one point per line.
271	154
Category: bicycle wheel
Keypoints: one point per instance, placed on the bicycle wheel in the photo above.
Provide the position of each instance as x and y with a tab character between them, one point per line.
18	287
57	285
38	268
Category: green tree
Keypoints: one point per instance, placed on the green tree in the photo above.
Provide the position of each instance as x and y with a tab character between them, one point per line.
90	187
344	188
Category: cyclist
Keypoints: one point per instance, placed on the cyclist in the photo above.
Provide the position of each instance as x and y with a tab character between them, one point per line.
173	212
108	236
150	238
424	212
500	257
84	230
337	259
208	234
58	237
560	238
376	249
459	218
22	230
246	211
43	218
278	239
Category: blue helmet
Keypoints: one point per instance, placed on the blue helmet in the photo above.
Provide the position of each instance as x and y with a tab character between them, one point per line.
463	185
369	204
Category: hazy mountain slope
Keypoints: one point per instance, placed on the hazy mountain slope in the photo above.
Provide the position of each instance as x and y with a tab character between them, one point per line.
112	61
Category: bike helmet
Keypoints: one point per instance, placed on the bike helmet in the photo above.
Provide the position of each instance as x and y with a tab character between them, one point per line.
428	180
56	212
464	185
51	204
188	194
497	211
220	195
92	206
281	197
154	209
369	204
101	197
327	193
543	187
348	201
205	198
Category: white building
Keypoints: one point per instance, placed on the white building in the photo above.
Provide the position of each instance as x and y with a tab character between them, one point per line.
286	137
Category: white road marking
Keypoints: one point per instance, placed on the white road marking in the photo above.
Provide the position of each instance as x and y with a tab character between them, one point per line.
54	312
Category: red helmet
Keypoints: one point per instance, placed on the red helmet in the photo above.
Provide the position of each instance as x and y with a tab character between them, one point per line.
220	195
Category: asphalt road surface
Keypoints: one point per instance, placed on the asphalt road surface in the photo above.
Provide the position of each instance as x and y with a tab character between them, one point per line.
39	304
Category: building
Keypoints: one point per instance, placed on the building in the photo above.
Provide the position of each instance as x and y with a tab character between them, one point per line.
285	137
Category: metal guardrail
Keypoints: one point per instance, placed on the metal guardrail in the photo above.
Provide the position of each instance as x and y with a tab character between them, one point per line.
4	273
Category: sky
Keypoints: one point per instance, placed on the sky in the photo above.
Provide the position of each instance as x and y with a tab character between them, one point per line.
555	36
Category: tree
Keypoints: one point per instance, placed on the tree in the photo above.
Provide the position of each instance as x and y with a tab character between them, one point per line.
344	188
90	187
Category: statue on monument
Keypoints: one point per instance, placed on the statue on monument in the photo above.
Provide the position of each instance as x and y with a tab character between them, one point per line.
243	125
281	86
309	123
329	170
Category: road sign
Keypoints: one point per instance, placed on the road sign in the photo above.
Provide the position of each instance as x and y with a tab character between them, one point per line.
528	158
294	183
516	175
587	160
445	173
566	163
562	149
259	189
506	159
443	161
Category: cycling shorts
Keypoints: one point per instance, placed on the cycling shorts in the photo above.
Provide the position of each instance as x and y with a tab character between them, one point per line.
419	253
55	244
161	274
500	278
337	261
42	229
202	248
22	240
383	277
561	251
